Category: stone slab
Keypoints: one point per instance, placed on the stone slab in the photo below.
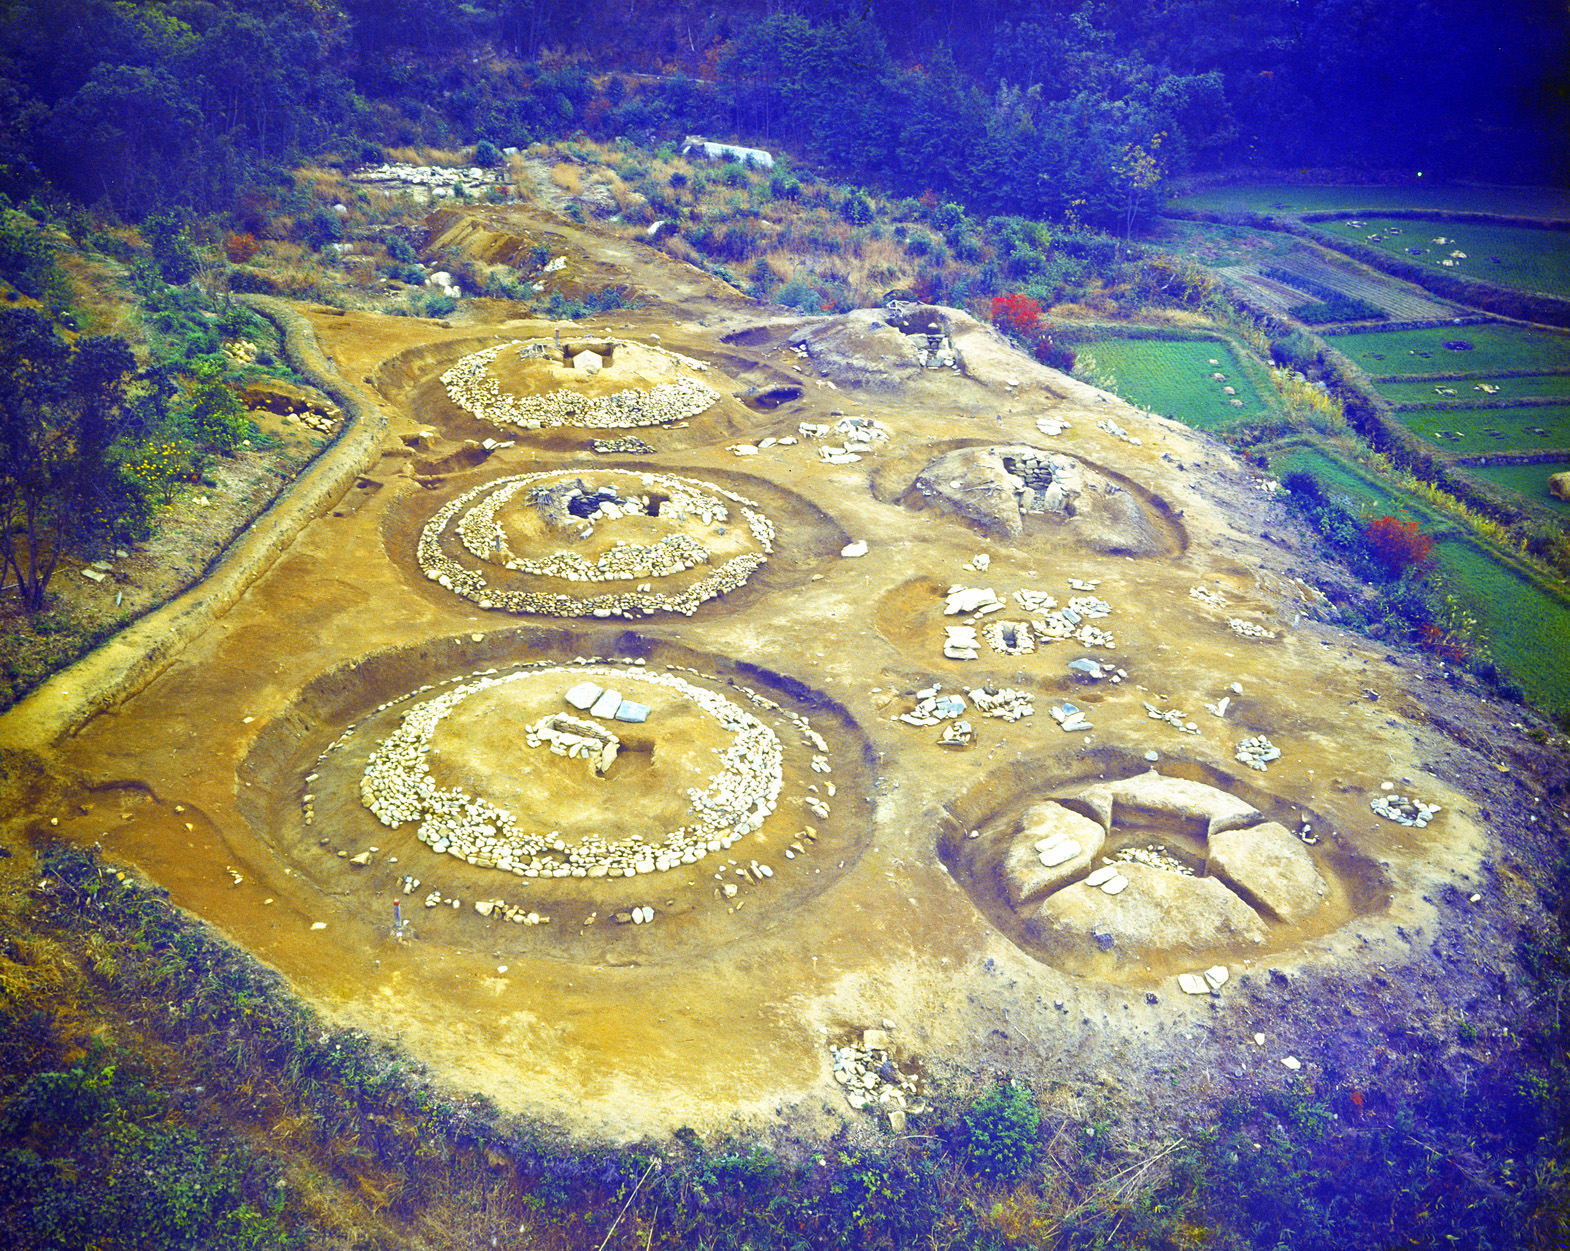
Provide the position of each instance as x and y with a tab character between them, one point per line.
1269	865
1024	877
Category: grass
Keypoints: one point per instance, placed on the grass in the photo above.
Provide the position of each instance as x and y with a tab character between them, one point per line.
1546	202
1527	629
1494	347
1528	480
1514	256
1470	390
1173	378
1484	430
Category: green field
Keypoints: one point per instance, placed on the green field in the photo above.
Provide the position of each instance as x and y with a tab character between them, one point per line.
1470	390
1173	378
1515	256
1528	630
1528	480
1545	202
1494	346
1513	429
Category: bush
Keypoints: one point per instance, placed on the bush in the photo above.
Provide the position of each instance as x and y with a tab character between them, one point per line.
1000	1133
487	155
401	250
857	209
1016	315
1397	545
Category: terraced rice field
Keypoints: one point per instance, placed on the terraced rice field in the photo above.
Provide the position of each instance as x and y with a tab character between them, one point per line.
1528	480
1397	300
1494	347
1545	202
1174	378
1528	630
1472	390
1479	431
1514	256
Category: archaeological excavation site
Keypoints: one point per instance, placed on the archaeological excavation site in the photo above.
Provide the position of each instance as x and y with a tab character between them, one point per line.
701	714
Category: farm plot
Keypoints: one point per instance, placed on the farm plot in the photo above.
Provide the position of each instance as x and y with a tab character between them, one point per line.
1476	390
1491	347
1397	300
1478	431
1178	379
1528	480
1544	202
1528	630
1514	256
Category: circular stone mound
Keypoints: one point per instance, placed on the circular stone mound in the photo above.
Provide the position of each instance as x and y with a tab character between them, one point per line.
999	489
541	542
610	384
547	747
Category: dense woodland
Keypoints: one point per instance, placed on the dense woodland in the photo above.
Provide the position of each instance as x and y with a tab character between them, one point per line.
1042	108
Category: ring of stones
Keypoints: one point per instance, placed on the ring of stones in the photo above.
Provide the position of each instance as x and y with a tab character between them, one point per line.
676	553
397	787
471	387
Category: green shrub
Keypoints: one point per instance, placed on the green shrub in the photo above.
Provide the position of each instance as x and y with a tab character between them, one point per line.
487	155
1000	1133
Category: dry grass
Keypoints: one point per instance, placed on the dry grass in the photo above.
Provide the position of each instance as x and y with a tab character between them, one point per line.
568	177
450	158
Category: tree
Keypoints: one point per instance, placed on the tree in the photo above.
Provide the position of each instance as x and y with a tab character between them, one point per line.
60	413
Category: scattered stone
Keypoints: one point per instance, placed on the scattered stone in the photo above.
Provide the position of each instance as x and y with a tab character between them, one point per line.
1404	811
1257	752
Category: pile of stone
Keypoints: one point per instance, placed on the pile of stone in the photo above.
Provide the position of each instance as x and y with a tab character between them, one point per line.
1009	638
629	446
960	643
505	911
429	181
240	351
977	600
1117	432
1052	426
1006	704
397	787
1209	982
1070	717
1085	667
1154	855
1206	596
1171	716
678	552
472	388
1248	630
872	1081
957	734
1404	811
575	738
1045	483
859	436
933	708
1257	752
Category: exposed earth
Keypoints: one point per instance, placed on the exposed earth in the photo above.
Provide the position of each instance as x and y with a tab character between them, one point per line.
833	867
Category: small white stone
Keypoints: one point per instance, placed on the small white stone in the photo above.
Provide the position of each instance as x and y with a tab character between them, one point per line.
1217	976
1292	1062
851	550
1115	885
1101	876
1192	984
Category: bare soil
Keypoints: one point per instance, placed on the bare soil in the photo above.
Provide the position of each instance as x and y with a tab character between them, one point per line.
721	1008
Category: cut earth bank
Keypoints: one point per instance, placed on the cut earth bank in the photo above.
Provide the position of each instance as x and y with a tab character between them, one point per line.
905	791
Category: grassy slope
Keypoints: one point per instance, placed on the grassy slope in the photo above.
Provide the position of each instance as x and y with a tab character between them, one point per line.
1494	347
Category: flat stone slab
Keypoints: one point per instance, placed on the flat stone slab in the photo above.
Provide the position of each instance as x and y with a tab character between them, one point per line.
606	705
1025	875
583	695
1157	912
1269	865
1153	796
627	710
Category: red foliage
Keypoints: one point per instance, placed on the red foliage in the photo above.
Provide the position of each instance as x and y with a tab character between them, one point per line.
1397	545
1016	315
240	248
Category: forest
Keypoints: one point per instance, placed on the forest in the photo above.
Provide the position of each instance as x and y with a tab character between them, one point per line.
1063	110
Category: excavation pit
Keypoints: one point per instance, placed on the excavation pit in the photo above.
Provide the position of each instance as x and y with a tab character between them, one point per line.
1146	874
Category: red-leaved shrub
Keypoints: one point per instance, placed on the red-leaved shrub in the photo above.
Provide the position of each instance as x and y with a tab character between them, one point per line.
1016	315
1397	545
